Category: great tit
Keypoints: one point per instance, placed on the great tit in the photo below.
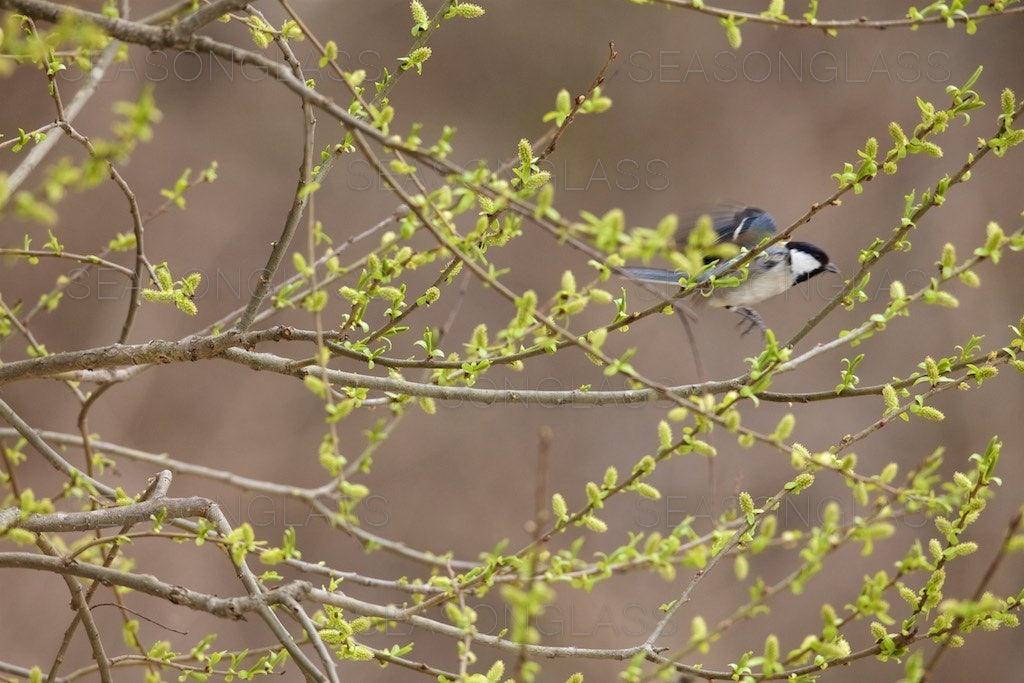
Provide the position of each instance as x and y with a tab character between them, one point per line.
771	273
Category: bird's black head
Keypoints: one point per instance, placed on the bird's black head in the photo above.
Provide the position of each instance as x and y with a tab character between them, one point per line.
807	260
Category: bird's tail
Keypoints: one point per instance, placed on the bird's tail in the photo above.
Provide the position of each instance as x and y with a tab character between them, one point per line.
656	275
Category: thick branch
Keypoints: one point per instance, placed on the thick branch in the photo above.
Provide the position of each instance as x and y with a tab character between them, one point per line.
103	518
227	608
123	355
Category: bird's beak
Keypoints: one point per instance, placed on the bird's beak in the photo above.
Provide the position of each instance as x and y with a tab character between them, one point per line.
831	267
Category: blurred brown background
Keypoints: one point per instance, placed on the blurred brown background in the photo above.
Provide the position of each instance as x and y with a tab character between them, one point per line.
694	123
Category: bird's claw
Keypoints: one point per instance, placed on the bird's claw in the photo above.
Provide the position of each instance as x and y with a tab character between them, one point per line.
751	319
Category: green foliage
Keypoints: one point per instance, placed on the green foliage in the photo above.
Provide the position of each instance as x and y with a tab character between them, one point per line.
416	59
339	634
179	292
372	361
732	30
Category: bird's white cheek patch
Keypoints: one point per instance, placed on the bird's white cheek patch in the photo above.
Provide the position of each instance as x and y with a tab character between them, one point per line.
803	262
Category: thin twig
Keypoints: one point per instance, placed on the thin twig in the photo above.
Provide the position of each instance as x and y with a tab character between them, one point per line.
82	612
80	258
1011	529
303	192
829	24
78	102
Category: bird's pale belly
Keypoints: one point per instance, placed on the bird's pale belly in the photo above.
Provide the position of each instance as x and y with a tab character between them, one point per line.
752	291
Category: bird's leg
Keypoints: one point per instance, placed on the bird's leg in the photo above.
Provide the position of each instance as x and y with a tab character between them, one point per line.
751	319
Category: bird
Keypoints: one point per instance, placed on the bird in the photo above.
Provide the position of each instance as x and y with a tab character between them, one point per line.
769	274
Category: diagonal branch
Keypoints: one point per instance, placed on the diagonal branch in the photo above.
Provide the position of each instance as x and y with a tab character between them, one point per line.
303	192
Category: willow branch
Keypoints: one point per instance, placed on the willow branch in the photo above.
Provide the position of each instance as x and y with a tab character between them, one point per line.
862	22
303	192
78	102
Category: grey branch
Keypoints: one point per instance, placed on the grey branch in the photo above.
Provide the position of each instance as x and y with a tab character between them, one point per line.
127	355
105	518
228	608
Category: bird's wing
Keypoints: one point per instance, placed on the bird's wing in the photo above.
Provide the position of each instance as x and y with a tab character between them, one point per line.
745	226
766	260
